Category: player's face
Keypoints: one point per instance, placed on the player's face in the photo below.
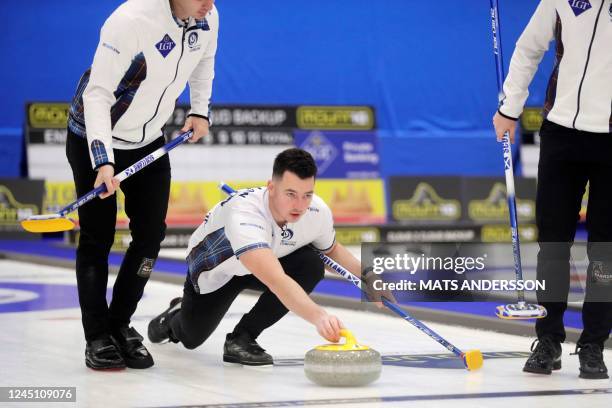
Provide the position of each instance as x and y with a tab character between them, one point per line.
290	196
196	8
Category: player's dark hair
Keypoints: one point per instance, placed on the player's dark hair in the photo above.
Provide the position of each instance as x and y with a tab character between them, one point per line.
297	161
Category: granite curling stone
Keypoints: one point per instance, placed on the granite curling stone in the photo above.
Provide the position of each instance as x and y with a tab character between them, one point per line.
343	365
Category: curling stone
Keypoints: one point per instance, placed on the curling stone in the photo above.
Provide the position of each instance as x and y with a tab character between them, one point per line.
343	365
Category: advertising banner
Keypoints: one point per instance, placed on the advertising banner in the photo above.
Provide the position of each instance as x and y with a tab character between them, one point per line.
463	202
425	200
336	117
19	199
486	202
352	155
353	202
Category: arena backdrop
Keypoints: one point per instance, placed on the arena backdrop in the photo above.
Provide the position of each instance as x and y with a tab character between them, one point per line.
426	67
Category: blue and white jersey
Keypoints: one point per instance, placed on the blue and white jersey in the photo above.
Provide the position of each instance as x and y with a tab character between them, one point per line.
242	223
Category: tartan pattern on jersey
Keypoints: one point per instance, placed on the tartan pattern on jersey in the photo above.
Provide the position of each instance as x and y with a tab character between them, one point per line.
124	95
214	249
551	89
202	25
76	117
98	152
199	24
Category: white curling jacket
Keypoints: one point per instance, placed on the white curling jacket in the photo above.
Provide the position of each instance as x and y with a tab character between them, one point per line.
144	59
579	93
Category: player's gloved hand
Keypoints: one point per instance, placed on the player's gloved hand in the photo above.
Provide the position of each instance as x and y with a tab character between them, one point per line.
329	327
368	277
200	127
106	175
503	125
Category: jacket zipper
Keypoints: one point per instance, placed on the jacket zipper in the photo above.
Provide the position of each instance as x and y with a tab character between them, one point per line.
167	86
587	64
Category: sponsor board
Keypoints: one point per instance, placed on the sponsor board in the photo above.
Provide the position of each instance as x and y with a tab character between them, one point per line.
487	202
354	201
46	115
46	122
357	235
19	199
232	125
241	136
430	234
502	233
352	155
425	200
240	116
335	117
531	119
188	203
463	201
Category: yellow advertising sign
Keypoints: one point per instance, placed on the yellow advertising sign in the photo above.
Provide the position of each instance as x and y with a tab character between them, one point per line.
12	211
426	204
354	201
357	235
48	115
351	201
531	119
501	233
335	117
495	207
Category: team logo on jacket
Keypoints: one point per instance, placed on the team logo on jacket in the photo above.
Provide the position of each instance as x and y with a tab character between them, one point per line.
165	45
579	6
192	41
286	236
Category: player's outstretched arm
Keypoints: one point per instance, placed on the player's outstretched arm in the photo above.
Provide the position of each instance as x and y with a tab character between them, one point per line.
265	266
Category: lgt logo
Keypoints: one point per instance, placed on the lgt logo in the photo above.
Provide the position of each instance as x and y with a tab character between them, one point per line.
165	45
579	6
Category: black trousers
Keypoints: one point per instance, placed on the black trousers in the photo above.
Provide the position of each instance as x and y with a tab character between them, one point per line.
201	314
146	203
568	160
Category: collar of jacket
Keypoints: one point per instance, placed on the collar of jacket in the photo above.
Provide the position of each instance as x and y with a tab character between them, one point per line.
199	24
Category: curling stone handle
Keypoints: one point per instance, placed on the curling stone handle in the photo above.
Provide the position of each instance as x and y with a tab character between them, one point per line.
348	336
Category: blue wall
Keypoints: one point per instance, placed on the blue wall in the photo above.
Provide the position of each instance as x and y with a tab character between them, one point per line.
426	66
